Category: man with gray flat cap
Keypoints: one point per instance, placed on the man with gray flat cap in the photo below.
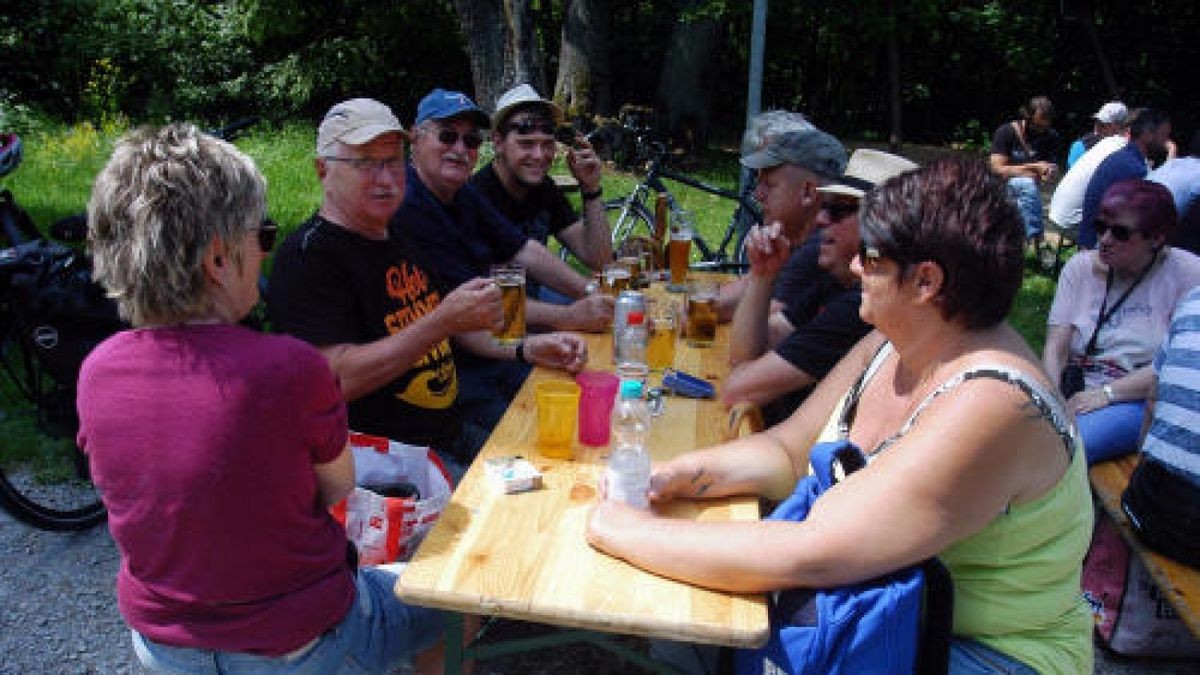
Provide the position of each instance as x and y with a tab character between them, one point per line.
791	165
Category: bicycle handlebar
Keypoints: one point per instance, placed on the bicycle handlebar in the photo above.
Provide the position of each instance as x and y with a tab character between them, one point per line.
231	130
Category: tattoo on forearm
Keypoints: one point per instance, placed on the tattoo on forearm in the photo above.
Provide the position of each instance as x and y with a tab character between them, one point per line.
701	482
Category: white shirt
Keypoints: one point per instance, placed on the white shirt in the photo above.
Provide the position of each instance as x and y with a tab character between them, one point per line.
1066	206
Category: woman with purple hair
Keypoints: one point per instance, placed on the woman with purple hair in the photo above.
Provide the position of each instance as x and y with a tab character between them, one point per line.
1110	314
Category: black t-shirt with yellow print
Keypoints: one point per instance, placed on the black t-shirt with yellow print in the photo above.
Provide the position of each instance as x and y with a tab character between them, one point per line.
332	286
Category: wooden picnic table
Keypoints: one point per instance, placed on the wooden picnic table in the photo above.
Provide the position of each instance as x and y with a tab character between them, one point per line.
525	556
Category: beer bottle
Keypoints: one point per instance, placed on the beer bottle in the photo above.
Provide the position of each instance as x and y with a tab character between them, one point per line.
661	218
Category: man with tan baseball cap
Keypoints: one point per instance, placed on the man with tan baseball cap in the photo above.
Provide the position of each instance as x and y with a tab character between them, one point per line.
388	326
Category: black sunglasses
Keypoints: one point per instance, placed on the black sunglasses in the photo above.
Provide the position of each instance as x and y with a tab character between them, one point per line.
1119	232
471	139
530	126
266	235
838	210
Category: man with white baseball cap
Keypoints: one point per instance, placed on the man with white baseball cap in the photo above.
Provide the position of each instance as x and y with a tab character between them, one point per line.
518	184
387	324
1112	118
777	372
1087	153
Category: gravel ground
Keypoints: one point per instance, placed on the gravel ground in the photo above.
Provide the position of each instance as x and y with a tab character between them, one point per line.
60	616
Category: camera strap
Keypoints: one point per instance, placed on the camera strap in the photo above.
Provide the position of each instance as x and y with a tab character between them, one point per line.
1106	315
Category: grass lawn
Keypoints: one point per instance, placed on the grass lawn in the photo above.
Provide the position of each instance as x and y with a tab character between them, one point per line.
60	163
55	179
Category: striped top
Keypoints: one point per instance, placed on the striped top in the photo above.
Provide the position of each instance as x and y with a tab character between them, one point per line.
1174	435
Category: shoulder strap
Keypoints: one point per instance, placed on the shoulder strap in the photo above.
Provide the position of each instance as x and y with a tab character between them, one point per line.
1021	137
850	408
1104	315
1047	405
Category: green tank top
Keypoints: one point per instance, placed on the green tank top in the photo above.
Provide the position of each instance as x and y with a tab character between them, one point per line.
1016	581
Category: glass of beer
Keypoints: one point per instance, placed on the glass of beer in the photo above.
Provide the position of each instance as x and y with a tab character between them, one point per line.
701	313
679	251
634	265
664	331
511	280
616	278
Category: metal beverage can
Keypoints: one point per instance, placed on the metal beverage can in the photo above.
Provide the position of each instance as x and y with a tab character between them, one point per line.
627	301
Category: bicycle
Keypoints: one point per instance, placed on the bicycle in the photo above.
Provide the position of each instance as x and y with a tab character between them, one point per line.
51	316
635	214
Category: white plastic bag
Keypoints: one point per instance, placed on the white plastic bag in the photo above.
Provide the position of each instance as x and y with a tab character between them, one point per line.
385	529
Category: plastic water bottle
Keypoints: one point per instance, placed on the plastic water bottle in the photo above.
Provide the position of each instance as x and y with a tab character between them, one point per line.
630	346
628	475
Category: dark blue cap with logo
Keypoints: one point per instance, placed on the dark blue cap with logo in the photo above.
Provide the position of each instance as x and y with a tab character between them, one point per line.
441	104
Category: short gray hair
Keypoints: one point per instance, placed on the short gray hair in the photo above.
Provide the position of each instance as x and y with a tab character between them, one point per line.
156	207
772	123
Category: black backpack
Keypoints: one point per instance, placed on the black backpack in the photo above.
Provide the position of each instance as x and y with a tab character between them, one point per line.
49	302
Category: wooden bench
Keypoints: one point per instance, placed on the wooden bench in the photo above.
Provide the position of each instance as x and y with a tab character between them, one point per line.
1180	584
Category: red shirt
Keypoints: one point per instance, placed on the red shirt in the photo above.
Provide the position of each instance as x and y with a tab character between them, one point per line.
202	441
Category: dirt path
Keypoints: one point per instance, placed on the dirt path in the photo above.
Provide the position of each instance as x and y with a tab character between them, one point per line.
60	616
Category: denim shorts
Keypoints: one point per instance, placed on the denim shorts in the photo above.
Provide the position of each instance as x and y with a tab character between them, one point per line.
968	657
378	635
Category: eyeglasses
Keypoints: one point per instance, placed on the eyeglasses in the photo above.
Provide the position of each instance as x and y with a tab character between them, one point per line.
471	139
530	126
869	256
1119	232
266	235
370	165
838	210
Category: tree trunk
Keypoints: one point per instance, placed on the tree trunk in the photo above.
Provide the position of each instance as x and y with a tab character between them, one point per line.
1087	19
501	45
895	138
683	91
584	84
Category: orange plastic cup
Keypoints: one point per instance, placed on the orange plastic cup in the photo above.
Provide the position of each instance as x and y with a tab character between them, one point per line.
557	418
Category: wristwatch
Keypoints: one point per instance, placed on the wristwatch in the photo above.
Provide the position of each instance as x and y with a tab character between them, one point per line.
1108	392
589	196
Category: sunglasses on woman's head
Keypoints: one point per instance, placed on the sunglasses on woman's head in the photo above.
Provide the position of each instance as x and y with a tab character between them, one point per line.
471	139
266	235
1119	232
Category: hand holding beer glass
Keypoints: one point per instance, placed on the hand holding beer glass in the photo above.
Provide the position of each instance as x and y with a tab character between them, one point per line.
511	281
679	252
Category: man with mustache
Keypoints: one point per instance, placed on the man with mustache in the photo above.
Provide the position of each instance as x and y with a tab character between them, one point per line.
388	325
776	372
451	227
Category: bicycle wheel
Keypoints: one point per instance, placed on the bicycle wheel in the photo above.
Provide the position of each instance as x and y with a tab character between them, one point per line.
44	480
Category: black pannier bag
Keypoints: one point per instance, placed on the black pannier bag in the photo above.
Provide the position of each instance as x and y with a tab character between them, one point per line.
58	312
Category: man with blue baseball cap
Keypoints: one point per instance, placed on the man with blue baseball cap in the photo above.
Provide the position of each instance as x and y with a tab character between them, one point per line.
456	230
452	229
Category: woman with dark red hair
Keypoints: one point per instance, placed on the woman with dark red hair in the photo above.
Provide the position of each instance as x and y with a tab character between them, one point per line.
1111	312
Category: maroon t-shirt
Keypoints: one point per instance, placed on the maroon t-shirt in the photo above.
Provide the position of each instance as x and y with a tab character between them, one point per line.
202	441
